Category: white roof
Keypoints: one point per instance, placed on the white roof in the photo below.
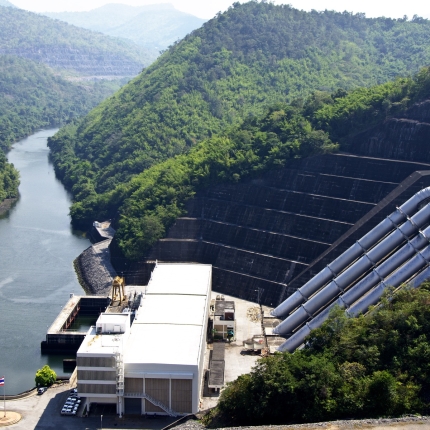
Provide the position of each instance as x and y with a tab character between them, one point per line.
171	322
101	344
163	344
177	310
185	279
108	318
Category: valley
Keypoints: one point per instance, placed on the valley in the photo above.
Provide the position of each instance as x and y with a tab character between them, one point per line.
265	142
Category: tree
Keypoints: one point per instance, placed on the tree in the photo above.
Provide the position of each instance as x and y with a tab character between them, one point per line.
45	376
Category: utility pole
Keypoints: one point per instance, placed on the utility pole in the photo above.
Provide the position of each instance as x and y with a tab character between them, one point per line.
259	291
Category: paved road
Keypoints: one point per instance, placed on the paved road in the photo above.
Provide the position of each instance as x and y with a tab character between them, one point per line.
43	412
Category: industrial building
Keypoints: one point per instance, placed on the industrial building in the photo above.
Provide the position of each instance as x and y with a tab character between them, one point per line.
224	323
156	364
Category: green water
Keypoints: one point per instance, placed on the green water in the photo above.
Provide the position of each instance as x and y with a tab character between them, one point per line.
82	323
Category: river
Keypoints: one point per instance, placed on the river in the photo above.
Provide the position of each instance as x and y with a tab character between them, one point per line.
37	249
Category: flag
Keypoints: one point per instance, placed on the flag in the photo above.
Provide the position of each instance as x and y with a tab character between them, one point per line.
2	381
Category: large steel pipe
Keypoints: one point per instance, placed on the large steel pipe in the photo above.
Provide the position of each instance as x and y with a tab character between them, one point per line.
401	275
420	278
292	343
332	290
297	339
351	254
387	267
397	277
336	287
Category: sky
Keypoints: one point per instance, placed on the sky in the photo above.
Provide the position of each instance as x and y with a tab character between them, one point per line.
208	8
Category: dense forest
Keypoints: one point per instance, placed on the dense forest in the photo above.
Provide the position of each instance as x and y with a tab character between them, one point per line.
154	27
9	179
32	97
371	366
151	201
68	48
232	69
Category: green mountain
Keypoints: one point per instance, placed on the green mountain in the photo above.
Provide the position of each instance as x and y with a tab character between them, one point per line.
149	203
67	48
32	96
237	65
154	27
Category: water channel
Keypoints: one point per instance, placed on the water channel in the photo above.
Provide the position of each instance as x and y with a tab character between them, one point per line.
37	248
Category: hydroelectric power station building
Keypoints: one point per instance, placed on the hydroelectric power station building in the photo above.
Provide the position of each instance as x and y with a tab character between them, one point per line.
154	365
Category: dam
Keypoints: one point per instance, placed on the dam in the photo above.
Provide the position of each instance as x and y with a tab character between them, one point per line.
274	233
268	236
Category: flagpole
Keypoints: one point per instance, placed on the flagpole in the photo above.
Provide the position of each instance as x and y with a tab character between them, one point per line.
4	399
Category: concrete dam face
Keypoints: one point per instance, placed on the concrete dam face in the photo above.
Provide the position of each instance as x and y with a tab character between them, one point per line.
268	236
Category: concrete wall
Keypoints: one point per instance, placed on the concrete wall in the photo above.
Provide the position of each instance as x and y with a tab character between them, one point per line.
263	233
276	231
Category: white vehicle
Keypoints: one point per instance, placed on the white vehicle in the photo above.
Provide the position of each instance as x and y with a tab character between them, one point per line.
41	390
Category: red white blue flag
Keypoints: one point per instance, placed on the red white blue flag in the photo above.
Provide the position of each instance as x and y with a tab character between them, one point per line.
2	380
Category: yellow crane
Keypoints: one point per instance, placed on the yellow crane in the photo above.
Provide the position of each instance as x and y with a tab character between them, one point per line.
118	286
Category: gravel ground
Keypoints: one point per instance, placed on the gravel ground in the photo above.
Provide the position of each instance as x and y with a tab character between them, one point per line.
404	423
94	269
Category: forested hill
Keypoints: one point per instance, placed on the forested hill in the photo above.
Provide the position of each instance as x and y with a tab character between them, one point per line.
68	48
250	57
32	97
147	205
154	27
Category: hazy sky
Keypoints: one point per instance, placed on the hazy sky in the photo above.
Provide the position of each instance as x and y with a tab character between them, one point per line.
208	8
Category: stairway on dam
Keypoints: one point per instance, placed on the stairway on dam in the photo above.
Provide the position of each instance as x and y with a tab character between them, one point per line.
260	235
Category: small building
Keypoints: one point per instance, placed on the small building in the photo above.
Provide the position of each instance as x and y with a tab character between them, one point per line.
224	321
156	366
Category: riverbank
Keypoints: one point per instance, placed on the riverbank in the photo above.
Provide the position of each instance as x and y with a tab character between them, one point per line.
94	269
6	204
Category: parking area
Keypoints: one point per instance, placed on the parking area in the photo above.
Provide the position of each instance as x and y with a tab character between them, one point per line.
73	404
44	412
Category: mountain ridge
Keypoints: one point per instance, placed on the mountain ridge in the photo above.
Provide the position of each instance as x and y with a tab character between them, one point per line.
32	97
68	48
154	27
